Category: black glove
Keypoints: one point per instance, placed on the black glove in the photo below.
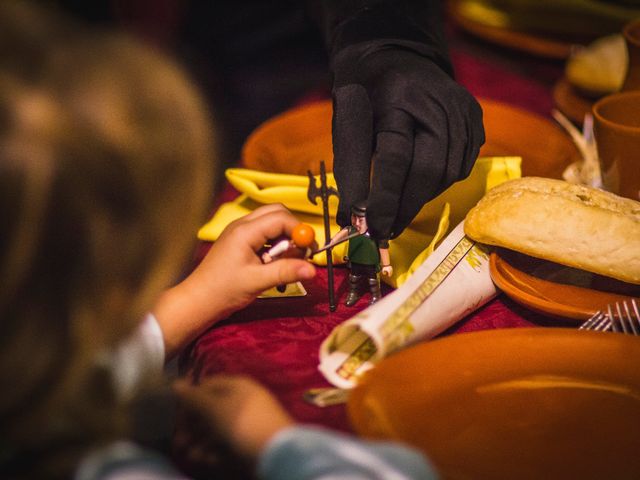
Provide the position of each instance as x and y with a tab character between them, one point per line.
403	129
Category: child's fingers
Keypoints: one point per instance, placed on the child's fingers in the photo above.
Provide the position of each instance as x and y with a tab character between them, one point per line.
194	397
211	391
267	226
284	271
261	211
264	209
258	212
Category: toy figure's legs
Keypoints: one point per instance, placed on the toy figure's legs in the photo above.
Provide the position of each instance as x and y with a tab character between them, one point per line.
354	289
374	289
360	273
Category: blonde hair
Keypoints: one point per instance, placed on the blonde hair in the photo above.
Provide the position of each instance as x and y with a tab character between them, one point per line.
105	168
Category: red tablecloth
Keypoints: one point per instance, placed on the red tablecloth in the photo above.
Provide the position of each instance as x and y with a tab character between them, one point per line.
276	341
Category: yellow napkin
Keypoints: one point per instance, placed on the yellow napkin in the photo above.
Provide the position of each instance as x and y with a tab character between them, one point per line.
407	251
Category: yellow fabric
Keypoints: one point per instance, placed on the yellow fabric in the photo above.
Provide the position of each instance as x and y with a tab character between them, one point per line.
291	190
407	251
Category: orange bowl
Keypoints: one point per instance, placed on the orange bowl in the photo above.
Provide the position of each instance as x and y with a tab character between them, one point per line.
520	403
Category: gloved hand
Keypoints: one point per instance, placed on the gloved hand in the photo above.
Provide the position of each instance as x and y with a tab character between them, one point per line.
403	129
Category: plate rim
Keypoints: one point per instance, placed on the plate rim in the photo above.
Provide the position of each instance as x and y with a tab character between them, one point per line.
563	312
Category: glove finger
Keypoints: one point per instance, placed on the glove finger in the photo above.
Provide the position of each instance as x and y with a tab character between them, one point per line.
424	180
441	157
392	162
352	147
466	135
475	134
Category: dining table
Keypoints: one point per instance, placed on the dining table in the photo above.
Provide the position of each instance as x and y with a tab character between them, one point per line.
542	398
277	340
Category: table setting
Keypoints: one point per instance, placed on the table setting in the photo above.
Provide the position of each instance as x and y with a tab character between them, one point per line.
499	346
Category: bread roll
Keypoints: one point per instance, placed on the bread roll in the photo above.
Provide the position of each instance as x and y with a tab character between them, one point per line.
600	68
573	225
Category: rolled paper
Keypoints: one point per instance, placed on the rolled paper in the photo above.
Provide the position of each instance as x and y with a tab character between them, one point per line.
451	283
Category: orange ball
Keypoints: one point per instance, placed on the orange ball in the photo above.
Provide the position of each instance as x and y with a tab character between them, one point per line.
303	235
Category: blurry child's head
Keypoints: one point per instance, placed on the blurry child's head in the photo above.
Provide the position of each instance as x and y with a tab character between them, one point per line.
106	162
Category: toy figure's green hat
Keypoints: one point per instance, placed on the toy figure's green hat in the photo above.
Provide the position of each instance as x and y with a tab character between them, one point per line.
359	209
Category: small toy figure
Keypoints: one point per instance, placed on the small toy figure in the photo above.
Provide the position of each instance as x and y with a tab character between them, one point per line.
366	257
302	239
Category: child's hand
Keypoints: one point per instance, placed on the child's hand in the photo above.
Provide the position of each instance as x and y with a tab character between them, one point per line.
233	271
240	414
230	276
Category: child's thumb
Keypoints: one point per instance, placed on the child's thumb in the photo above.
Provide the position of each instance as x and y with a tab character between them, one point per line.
287	270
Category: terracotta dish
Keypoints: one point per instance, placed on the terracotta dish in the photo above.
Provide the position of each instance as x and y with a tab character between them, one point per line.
544	147
292	142
570	102
525	403
296	140
537	45
567	294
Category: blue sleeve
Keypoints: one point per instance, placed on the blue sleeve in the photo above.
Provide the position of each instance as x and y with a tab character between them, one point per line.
125	461
306	453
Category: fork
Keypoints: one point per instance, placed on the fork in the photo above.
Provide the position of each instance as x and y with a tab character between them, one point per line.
599	321
625	317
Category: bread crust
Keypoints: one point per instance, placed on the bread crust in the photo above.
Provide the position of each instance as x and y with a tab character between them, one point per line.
573	225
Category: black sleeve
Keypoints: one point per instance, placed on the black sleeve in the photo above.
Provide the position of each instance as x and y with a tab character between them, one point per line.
417	24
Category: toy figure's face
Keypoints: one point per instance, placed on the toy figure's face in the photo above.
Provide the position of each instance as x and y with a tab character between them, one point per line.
360	223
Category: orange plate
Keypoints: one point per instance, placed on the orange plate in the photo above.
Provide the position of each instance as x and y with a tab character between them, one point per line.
524	403
296	140
553	289
546	47
571	102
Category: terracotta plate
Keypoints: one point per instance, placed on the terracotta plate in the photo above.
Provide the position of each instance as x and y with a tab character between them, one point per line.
547	47
563	292
546	150
571	102
298	139
525	403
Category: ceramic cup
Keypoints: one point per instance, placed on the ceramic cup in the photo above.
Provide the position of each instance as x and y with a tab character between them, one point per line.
617	132
631	33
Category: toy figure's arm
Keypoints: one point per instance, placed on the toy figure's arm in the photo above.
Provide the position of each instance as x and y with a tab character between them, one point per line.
338	237
385	262
275	251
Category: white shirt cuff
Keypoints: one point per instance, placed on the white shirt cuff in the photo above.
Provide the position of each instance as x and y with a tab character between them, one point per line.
138	358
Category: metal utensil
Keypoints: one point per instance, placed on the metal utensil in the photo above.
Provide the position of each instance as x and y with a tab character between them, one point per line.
599	321
625	317
620	317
